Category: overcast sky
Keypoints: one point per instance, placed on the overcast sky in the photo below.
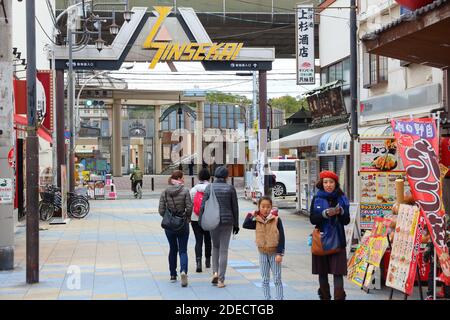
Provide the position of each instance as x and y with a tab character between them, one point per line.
191	75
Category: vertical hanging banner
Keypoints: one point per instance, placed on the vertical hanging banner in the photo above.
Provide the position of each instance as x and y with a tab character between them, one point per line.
418	143
305	44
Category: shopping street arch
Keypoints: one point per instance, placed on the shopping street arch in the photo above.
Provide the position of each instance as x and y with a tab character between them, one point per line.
161	35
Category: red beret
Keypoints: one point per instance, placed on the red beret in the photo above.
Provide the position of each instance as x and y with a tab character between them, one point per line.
329	174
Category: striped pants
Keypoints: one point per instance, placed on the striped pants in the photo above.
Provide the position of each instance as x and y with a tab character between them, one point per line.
267	263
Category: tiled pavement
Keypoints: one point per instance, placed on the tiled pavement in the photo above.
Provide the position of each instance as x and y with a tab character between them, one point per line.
121	251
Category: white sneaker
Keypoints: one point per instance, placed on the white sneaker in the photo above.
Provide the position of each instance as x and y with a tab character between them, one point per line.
184	280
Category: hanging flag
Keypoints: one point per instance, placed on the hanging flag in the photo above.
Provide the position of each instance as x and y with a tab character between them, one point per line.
418	143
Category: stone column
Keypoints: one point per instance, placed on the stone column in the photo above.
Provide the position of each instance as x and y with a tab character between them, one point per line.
157	150
116	156
199	132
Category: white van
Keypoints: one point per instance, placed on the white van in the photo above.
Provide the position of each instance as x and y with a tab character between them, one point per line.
285	176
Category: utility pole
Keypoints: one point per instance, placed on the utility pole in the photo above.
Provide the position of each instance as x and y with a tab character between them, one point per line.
353	93
7	136
263	127
32	161
70	97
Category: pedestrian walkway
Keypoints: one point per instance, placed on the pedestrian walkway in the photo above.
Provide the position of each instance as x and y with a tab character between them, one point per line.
121	251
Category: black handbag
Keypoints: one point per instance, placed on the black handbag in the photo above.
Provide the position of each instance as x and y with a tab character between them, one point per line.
171	220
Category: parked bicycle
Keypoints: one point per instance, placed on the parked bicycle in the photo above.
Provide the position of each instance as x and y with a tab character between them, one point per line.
77	205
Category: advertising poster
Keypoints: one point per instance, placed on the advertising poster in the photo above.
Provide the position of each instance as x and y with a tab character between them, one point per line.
378	194
6	191
405	249
99	190
380	155
358	257
368	213
90	189
418	144
377	248
379	187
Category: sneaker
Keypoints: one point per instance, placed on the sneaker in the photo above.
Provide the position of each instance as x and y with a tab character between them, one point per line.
215	279
173	279
221	284
429	298
184	280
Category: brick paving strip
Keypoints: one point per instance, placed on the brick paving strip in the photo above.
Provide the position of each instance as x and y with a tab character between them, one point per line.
121	252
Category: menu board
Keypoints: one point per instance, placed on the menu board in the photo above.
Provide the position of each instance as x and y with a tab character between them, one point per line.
378	194
379	156
379	187
405	249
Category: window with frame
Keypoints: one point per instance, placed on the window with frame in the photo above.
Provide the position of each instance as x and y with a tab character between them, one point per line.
375	69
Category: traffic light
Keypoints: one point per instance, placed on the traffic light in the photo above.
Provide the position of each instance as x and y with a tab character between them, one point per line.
94	103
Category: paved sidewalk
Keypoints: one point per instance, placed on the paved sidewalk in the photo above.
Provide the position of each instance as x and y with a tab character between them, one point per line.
121	251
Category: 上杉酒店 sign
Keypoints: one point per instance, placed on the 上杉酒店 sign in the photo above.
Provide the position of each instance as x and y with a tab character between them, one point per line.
305	44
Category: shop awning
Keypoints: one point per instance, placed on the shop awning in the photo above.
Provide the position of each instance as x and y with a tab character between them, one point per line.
22	120
86	148
380	131
304	138
336	142
416	112
421	36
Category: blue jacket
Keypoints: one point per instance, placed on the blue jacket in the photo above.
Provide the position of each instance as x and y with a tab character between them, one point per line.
322	201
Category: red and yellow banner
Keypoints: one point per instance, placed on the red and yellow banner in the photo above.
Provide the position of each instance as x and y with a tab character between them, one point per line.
418	143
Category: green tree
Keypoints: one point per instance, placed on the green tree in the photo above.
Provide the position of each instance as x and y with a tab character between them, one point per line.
289	104
221	97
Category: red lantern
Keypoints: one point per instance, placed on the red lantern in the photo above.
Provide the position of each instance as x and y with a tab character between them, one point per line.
413	4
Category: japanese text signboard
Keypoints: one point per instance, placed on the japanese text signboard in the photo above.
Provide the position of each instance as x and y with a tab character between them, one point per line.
405	249
418	144
379	155
305	44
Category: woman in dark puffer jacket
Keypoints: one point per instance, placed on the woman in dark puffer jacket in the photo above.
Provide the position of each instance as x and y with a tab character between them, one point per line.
177	198
229	222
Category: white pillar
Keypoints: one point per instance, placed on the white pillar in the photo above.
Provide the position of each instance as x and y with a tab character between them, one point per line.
157	155
117	139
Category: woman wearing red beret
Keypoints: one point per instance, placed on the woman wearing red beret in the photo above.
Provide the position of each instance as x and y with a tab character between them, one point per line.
330	206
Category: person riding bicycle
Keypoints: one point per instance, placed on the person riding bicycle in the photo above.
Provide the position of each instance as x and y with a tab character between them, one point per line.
136	178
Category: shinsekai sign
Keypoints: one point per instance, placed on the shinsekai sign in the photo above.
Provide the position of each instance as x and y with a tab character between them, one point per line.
167	51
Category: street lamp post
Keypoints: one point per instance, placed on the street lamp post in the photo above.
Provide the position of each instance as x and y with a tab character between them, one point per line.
353	93
99	44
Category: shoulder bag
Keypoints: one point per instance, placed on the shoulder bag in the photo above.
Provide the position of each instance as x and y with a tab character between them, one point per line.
171	220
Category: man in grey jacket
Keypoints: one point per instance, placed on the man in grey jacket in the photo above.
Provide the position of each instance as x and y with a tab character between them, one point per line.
229	222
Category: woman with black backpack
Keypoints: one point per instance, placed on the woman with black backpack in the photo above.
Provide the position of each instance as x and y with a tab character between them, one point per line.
201	235
176	201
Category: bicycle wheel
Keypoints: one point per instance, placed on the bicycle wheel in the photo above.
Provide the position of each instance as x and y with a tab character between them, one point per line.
78	208
46	211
